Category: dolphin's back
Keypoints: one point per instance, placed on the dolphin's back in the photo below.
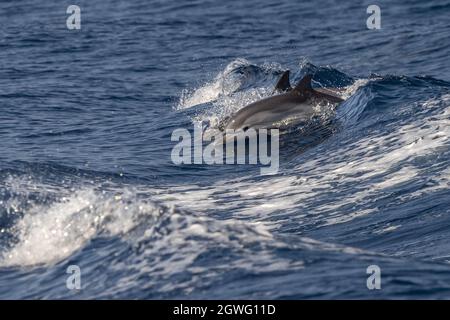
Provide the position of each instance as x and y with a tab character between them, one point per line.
298	102
269	110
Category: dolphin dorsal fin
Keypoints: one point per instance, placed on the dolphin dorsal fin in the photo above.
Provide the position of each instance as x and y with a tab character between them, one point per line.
304	84
283	83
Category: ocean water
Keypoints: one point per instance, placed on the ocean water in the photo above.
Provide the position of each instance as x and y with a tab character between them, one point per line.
86	177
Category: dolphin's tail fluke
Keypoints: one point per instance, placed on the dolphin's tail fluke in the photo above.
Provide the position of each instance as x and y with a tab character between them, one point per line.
332	94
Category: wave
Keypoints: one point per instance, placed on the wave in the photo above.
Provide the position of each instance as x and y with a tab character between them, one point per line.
372	191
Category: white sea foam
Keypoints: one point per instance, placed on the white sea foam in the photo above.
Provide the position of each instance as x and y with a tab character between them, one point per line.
224	84
226	98
348	91
48	233
368	166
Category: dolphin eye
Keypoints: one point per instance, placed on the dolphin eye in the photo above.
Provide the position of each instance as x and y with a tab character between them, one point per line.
245	128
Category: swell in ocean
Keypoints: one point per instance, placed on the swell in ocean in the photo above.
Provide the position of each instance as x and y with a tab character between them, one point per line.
372	189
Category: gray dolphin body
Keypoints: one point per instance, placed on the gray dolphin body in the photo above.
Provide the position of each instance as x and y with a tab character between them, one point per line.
270	112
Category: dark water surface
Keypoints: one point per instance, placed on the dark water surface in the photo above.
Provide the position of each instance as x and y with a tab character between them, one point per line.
86	178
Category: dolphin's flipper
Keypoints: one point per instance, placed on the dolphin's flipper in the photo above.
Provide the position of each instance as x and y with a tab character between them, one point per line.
283	83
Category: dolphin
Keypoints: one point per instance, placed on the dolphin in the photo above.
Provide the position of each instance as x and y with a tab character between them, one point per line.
289	103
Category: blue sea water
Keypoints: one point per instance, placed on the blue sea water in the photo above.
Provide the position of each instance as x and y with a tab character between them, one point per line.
86	176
